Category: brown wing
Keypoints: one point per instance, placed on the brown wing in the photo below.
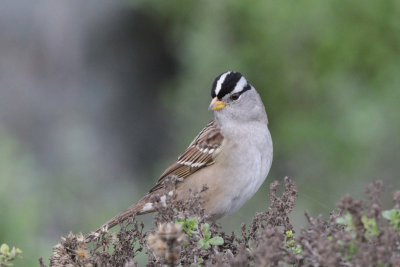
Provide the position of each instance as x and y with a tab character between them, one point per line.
200	153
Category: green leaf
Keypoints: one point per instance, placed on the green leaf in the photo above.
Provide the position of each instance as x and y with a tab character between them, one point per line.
4	249
188	225
387	214
297	249
192	223
370	226
203	244
216	241
12	253
351	250
393	216
346	220
289	234
290	243
206	231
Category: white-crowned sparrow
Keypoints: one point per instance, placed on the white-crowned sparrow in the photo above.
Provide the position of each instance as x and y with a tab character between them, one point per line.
232	155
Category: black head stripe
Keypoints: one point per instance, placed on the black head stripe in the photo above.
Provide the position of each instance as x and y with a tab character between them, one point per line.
226	83
229	84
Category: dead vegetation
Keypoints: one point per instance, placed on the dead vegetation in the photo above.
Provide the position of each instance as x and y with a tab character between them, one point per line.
359	233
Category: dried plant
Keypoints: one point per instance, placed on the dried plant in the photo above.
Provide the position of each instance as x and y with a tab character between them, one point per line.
166	242
360	233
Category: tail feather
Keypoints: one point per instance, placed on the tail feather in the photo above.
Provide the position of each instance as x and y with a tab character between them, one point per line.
138	208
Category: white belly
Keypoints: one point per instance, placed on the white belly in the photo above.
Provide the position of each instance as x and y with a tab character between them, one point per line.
238	172
241	183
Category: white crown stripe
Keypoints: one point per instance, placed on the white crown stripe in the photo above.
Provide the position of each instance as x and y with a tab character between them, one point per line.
240	85
220	82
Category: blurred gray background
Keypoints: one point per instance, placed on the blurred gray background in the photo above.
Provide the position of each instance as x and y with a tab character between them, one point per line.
98	97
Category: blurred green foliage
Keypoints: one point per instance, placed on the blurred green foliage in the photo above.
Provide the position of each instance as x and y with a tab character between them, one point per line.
20	208
393	216
327	72
8	255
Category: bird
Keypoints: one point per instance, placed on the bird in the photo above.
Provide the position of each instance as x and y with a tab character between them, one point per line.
232	155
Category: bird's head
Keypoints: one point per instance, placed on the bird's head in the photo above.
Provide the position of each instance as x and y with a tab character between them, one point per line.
235	99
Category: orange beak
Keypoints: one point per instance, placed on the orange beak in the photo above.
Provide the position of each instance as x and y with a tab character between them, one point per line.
216	104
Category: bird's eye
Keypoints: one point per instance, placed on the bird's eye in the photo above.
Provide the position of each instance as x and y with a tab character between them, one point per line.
235	96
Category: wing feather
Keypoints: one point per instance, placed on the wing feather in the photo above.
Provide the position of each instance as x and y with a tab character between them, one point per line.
196	156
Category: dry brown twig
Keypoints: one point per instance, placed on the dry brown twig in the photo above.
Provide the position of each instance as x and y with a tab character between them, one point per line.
268	241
